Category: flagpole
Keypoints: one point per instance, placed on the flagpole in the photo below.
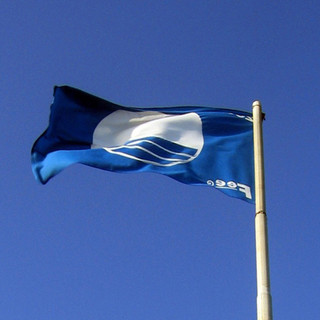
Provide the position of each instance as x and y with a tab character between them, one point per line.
264	305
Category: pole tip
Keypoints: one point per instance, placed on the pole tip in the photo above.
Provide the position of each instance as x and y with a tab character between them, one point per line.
256	103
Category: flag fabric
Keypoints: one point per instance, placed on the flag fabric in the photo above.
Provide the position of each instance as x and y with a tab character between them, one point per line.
194	145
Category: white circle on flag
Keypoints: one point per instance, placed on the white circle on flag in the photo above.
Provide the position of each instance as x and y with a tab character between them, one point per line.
151	137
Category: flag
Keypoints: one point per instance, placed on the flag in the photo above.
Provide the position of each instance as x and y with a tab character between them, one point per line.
193	145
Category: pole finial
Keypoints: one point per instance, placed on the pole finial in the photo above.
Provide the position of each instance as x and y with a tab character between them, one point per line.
256	103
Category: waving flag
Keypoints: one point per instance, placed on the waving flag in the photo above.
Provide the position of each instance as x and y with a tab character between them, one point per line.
194	145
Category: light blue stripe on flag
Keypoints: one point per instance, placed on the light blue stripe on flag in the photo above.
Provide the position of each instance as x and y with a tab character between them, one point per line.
194	145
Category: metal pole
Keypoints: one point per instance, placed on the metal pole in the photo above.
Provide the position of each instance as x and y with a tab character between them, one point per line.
264	305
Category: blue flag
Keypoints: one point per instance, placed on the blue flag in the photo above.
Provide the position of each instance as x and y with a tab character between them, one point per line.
194	145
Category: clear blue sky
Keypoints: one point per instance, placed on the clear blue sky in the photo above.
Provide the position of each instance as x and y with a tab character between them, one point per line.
98	245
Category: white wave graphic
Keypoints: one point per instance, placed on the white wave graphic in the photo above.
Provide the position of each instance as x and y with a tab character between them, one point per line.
161	161
151	137
136	143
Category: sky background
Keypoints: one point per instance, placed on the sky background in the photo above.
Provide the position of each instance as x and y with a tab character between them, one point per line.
98	245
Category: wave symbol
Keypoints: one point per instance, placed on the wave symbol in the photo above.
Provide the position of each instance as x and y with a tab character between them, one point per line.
155	151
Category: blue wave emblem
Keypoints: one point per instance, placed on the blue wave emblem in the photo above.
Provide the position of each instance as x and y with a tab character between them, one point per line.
155	151
151	137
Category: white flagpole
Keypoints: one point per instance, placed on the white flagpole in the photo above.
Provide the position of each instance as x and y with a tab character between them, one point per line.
264	305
